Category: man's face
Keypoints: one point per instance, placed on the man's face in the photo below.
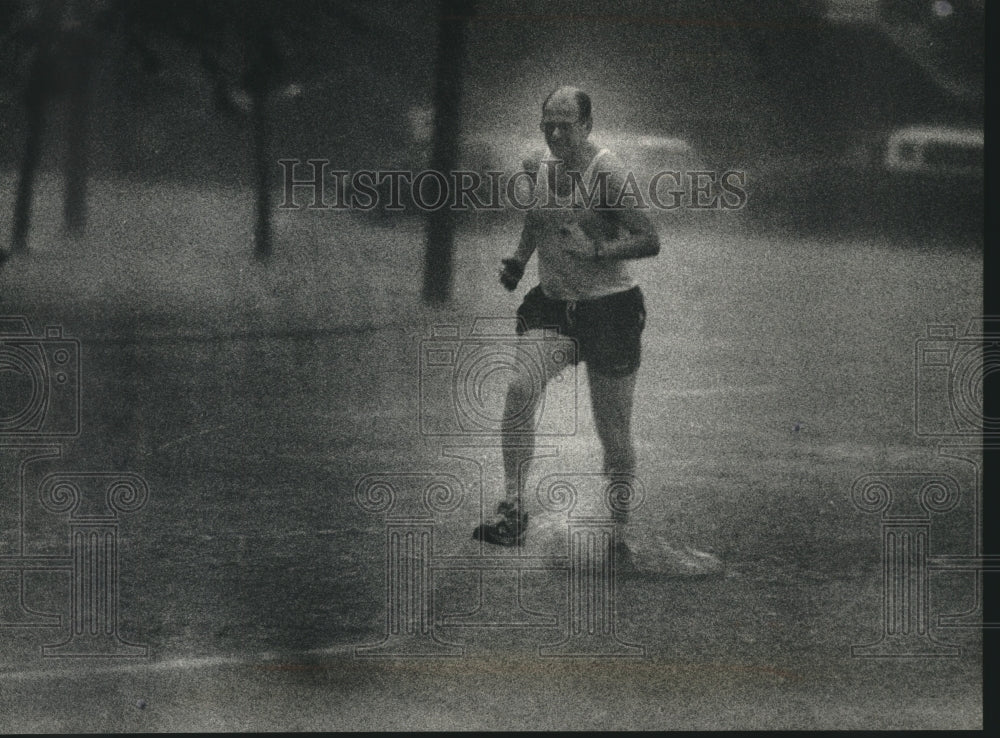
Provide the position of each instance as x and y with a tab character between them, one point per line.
564	132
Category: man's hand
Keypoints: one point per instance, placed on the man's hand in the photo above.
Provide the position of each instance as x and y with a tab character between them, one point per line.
511	271
586	234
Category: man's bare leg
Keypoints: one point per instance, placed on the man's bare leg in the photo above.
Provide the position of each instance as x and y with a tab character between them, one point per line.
521	407
611	399
518	444
524	395
612	402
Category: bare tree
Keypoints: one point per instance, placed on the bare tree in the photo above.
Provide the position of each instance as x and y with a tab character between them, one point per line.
240	45
59	40
445	144
263	68
240	50
79	47
34	36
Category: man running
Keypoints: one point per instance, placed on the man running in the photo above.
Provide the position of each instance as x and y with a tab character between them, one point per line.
585	289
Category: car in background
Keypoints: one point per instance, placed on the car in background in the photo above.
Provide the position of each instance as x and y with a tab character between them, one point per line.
914	177
647	155
935	151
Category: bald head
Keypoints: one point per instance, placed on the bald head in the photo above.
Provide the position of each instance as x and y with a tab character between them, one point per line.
566	124
563	99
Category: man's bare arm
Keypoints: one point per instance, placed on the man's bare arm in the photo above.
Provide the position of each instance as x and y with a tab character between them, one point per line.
636	237
526	246
641	239
512	268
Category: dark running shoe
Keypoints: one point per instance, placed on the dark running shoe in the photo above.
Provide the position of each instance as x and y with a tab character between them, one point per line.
507	529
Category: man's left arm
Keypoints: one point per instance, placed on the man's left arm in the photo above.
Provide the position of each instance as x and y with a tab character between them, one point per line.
636	236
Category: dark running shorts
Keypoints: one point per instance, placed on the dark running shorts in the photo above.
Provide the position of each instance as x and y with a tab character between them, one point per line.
607	329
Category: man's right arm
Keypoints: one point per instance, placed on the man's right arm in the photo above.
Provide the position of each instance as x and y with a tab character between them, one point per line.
513	267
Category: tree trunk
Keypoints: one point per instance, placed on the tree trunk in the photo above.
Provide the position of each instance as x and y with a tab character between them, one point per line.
35	102
262	170
445	144
259	78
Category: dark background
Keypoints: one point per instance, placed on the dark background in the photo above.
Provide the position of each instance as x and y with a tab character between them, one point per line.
253	393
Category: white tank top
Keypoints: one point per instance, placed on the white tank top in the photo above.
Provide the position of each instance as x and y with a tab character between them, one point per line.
562	275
